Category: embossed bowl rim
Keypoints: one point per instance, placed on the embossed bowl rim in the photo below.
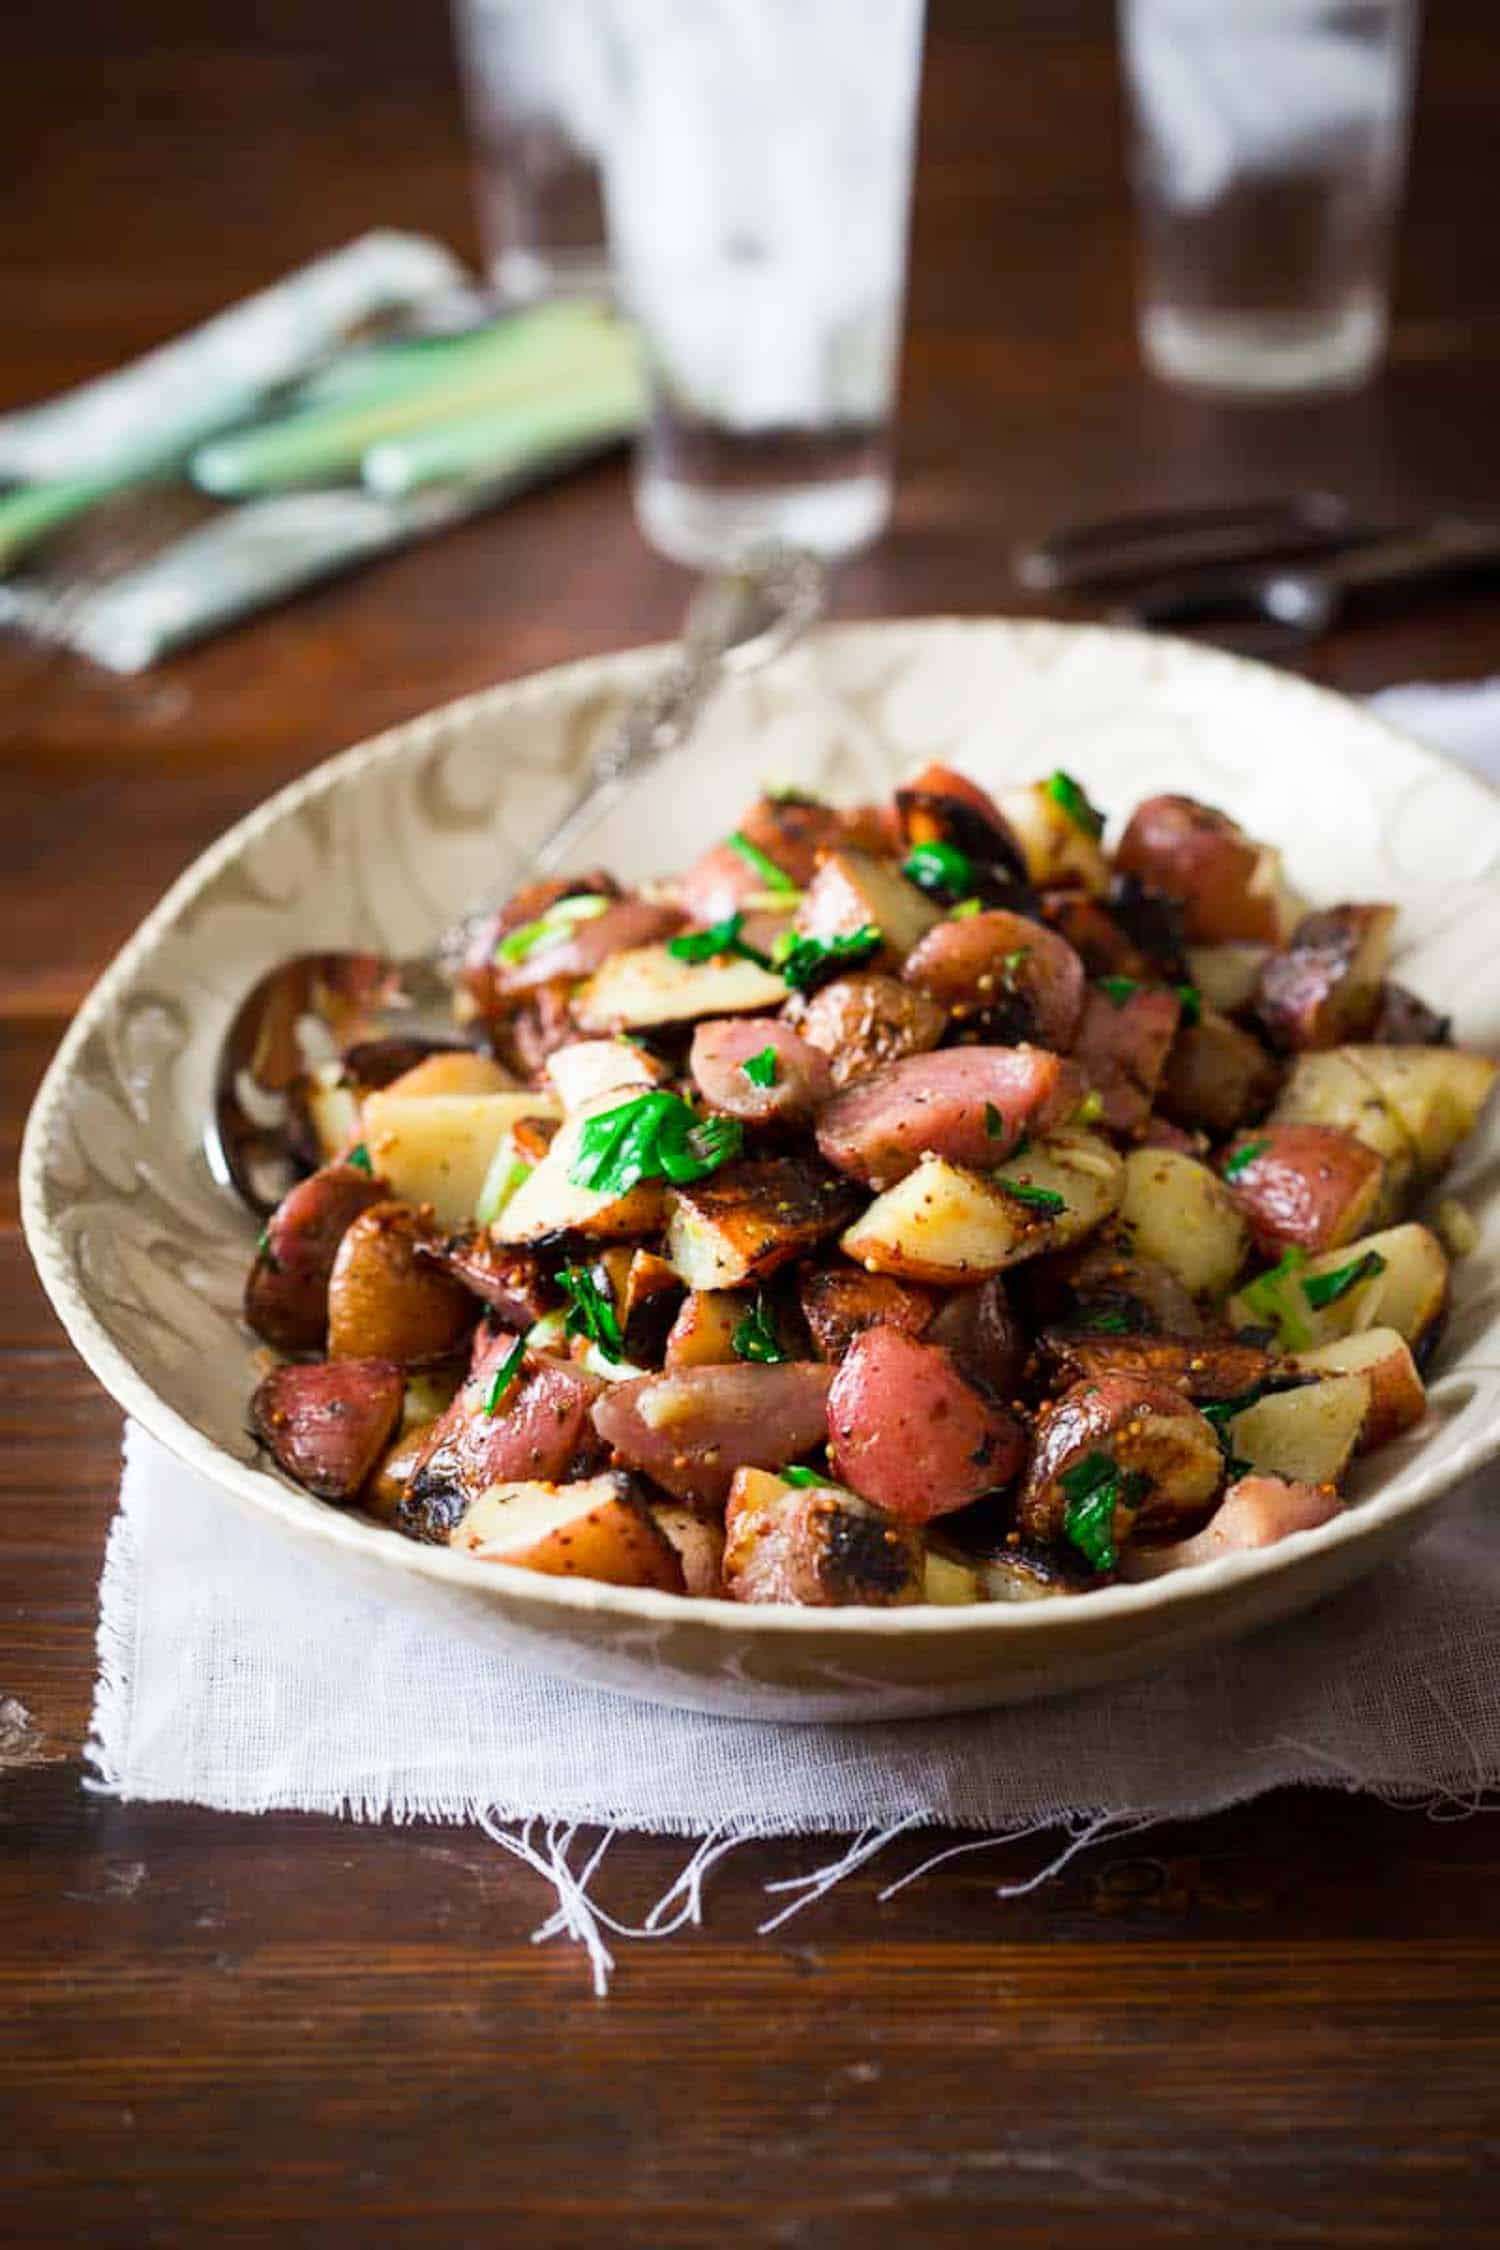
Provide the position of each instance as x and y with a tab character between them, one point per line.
1414	1490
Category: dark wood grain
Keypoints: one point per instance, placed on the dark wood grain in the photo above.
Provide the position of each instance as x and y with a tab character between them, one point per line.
1279	2025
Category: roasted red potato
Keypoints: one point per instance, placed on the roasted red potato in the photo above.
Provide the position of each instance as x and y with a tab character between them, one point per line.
1003	978
1325	987
385	1488
1308	1187
1106	1287
1121	1049
1101	943
987	1342
939	806
1255	1512
970	1105
515	1284
328	1424
1166	1462
854	891
386	1299
1217	1076
1227	885
840	1301
908	1432
820	1547
861	1023
599	1528
752	1217
699	1542
1398	1398
1402	1020
580	948
691	1428
791	831
1200	1367
702	1335
286	1294
537	1427
761	1070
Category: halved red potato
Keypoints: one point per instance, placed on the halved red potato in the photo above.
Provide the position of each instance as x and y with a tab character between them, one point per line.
327	1425
743	1222
1229	887
1256	1511
820	1547
286	1290
979	1329
513	1283
970	1105
699	1541
1217	1075
552	1202
1200	1367
587	1068
386	1300
1121	1049
862	1022
538	1426
1183	1217
908	1432
761	1070
1014	978
1398	1399
853	891
840	1301
1397	1278
650	985
1323	988
1167	1461
946	1225
1308	1185
601	1528
1059	847
702	1335
689	1429
1308	1435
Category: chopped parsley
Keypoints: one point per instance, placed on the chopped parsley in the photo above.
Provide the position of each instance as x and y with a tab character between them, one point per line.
1010	962
799	1476
504	1375
942	870
760	1068
1108	1321
1220	1412
775	878
559	921
359	1158
719	938
1192	1002
263	1245
1276	1296
1322	1289
966	909
1044	1200
1243	1157
754	1337
1093	1489
591	1311
1073	800
806	962
994	1123
655	1136
1119	990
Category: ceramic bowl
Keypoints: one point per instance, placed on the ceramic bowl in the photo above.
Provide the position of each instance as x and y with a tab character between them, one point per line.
144	1257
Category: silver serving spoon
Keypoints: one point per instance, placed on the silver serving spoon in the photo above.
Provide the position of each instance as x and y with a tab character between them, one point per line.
309	1008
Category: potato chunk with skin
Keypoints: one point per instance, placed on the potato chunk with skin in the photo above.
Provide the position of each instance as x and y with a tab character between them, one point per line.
1057	848
702	1335
744	1221
1226	975
598	1529
650	985
968	1104
1324	987
385	1300
1398	1399
864	1021
1308	1185
1256	1511
906	1431
691	1428
1168	1461
942	1224
761	1070
1436	1094
1121	1050
587	1069
840	1301
286	1293
700	1549
437	1149
327	1425
1014	978
1229	887
853	891
1181	1215
1216	1076
820	1547
538	1427
552	1202
1308	1435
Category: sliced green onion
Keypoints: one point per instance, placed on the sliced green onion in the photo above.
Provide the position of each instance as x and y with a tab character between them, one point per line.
1322	1289
775	878
558	923
760	1068
940	869
505	1374
1072	798
1243	1157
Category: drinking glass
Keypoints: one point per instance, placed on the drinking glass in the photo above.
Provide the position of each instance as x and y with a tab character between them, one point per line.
534	88
1269	149
758	184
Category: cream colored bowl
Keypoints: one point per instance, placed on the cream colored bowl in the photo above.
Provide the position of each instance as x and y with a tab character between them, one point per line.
144	1258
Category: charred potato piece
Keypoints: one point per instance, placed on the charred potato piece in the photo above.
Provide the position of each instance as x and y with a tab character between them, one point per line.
1305	1185
1398	1400
536	1427
1201	1368
853	891
1005	977
819	1547
986	1341
1025	1572
648	1305
1107	1288
908	1432
746	1220
513	1283
791	831
1181	1215
599	1529
939	806
865	1021
1060	847
1229	887
386	1300
839	1302
327	1425
286	1291
945	1225
1102	944
1324	988
385	1489
1217	1076
1167	1463
552	1202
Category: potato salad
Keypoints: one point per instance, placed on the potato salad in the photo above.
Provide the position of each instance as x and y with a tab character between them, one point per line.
923	1202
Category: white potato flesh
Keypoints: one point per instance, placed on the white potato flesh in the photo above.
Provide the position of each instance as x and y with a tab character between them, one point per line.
588	1068
459	1071
1435	1094
1398	1399
1057	850
852	890
699	1541
333	1107
944	1224
438	1148
949	1581
1407	1293
1182	1215
702	1334
551	1201
598	1528
1226	974
1307	1436
648	985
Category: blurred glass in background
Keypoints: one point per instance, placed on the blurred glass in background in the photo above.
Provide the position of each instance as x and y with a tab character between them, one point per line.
1269	151
758	173
535	91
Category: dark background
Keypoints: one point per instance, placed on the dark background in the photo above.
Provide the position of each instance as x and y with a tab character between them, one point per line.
1278	2025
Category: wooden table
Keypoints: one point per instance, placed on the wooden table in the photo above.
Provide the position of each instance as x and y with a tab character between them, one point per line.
1281	2024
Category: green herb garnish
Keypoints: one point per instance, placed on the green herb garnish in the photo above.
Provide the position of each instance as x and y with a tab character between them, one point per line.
1274	1295
754	1337
718	938
1045	1200
1107	1323
263	1245
1117	990
806	962
359	1157
1091	1108
966	909
799	1476
1010	962
760	1068
775	878
1220	1412
1070	795
505	1374
942	870
1192	1002
654	1136
1243	1157
994	1123
1093	1489
559	922
591	1311
1322	1289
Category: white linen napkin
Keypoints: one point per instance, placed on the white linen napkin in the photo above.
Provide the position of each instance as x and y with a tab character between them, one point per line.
238	1674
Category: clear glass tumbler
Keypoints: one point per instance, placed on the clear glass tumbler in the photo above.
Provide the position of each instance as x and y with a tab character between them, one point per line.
758	182
534	88
1269	152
